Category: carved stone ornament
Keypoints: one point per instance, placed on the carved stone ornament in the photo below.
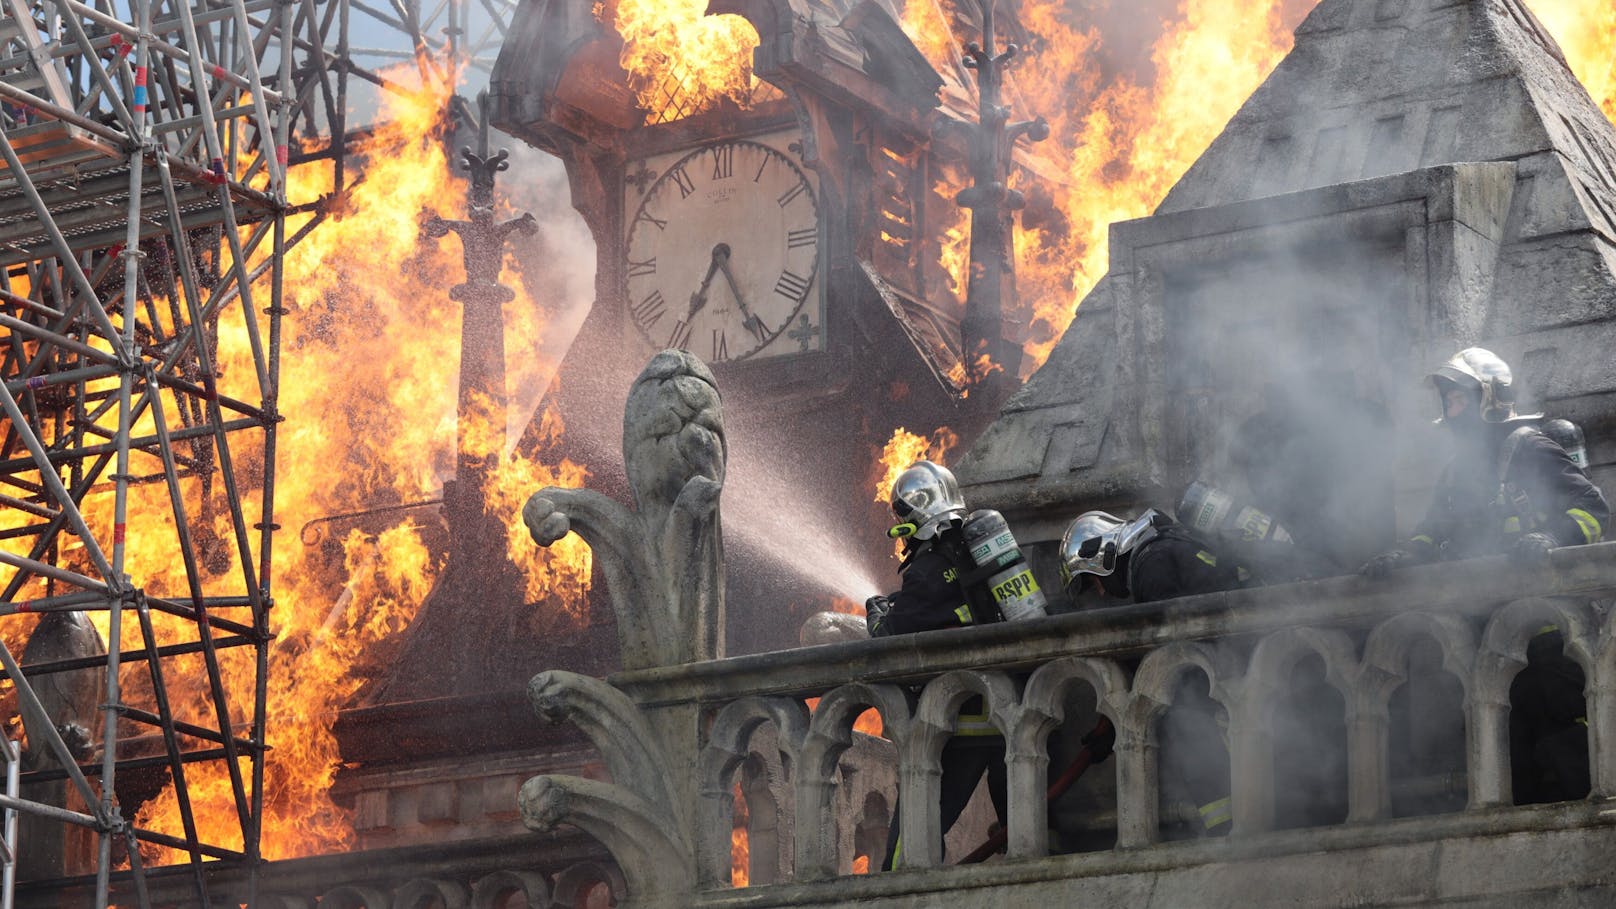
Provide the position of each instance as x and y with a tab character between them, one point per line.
636	816
663	561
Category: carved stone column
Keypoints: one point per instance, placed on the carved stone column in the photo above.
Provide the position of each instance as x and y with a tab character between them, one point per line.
1137	785
920	819
1368	759
1488	725
1251	760
1027	778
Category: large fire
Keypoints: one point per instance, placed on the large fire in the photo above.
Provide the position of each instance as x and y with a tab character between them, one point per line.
681	61
1586	32
364	370
1119	141
368	378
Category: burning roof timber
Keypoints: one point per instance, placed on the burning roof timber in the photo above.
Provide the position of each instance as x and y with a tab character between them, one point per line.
1346	170
561	81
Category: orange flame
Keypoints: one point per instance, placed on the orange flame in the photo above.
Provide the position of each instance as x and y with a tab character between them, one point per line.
1586	32
740	851
682	62
361	289
905	448
861	864
868	722
928	23
1118	141
982	367
1121	145
846	606
365	293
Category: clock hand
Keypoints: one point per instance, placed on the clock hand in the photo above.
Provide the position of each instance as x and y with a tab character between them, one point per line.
699	298
751	322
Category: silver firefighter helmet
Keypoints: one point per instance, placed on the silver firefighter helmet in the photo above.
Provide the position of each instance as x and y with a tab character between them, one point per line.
1485	377
1095	541
925	497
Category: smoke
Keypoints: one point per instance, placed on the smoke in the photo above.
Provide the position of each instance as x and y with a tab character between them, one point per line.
1289	384
556	267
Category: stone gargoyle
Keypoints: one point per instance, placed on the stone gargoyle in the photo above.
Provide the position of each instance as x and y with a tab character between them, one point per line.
636	816
663	561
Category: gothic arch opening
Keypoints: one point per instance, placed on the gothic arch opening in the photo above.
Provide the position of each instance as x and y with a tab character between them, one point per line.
1309	738
758	822
870	833
1192	736
1425	737
1083	817
1548	724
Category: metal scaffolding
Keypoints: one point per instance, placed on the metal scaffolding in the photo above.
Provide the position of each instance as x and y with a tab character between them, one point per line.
143	227
141	216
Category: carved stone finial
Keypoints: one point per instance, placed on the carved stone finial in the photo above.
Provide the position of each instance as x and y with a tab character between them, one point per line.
664	560
636	815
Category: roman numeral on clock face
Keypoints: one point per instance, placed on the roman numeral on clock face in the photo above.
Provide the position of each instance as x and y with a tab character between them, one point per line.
641	269
720	346
681	335
802	236
683	181
792	193
792	286
723	162
649	311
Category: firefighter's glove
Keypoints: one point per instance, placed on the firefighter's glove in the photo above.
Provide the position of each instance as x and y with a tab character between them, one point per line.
875	615
1417	552
1386	563
1099	741
1534	548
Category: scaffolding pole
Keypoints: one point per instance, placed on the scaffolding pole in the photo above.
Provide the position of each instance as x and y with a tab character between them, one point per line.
146	152
142	207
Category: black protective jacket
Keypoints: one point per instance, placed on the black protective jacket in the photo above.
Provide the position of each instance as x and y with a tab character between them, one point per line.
1176	564
932	595
1515	480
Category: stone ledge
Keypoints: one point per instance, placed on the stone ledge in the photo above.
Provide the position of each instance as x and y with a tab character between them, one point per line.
1472	587
1503	857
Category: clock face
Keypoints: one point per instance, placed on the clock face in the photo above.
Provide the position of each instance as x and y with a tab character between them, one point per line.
723	254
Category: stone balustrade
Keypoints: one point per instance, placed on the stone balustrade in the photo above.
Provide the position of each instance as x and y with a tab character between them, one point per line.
1480	616
527	871
721	720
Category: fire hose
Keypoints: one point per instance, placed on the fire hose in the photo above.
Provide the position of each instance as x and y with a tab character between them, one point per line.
1096	748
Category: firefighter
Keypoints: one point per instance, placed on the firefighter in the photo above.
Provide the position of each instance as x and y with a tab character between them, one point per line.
1510	488
931	512
1149	558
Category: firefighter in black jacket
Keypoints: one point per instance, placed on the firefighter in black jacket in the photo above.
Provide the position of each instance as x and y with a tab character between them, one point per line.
1150	558
926	498
1510	488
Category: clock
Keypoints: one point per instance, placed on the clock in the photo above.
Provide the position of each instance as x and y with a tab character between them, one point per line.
722	252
